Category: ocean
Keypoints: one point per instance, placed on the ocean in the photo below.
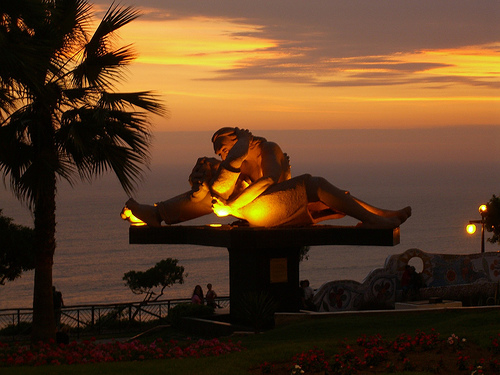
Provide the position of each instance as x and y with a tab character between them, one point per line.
443	173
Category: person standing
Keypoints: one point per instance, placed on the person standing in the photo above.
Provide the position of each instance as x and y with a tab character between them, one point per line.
58	304
211	296
307	294
197	297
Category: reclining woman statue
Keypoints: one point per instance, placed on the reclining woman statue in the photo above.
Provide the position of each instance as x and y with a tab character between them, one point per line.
252	182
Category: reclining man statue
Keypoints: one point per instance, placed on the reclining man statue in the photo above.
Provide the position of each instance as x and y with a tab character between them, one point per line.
252	182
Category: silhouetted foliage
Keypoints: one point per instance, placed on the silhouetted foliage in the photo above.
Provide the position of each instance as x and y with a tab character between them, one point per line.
188	309
16	249
257	309
493	219
164	274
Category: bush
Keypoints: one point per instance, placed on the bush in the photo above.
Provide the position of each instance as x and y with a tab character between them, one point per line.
23	328
17	252
257	310
116	319
183	310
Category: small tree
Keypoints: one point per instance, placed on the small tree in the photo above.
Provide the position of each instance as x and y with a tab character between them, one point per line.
164	274
493	219
17	253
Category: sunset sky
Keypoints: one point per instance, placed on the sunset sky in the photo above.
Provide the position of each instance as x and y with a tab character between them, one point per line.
403	97
296	64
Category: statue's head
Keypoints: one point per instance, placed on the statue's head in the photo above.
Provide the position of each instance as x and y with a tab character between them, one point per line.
223	140
227	131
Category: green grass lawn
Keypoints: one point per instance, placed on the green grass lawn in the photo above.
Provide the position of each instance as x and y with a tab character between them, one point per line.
283	342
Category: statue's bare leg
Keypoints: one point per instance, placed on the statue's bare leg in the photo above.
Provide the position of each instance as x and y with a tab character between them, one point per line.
320	189
402	214
184	207
175	210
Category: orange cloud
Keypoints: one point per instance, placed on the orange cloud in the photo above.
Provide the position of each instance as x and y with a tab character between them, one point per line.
216	71
196	41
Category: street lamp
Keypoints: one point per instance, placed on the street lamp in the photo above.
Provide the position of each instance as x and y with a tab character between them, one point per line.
471	228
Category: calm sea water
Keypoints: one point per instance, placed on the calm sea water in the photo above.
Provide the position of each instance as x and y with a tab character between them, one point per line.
387	170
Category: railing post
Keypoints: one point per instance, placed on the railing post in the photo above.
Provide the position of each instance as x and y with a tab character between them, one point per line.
78	323
14	324
92	316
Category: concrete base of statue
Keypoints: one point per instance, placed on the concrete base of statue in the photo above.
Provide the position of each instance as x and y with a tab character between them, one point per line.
264	260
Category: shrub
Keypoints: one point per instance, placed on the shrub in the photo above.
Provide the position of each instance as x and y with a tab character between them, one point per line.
257	310
16	329
183	310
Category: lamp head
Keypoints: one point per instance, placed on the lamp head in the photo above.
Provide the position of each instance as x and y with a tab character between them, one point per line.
483	209
471	229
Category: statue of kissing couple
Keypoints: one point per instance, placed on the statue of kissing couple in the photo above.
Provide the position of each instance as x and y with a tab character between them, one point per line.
252	182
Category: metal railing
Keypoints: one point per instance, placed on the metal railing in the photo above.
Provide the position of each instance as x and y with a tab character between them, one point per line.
95	320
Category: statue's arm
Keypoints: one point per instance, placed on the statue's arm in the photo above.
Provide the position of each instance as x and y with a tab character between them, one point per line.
224	182
250	193
272	170
200	176
239	151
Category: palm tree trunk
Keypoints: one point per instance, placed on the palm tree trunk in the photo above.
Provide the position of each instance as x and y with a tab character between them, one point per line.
44	327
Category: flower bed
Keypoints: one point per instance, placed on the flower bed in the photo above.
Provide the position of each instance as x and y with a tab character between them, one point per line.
420	352
91	351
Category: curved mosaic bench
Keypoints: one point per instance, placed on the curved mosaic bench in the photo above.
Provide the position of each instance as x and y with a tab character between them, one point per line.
451	276
377	291
449	269
446	276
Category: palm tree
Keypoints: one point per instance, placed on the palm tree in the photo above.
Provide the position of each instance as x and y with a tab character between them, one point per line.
61	119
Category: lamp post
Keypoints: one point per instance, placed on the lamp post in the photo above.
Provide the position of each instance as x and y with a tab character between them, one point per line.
471	228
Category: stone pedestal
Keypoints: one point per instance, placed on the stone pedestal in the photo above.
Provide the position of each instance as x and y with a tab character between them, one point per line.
274	271
264	259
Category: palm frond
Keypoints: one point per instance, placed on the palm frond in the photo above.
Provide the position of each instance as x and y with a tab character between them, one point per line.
99	139
16	150
101	70
21	56
78	94
145	100
64	28
7	101
115	18
125	164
